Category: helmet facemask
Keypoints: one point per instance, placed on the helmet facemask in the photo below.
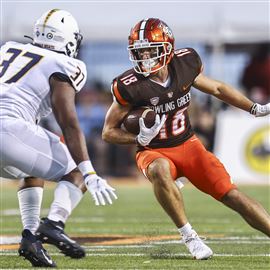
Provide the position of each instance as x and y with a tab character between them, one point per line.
158	52
72	48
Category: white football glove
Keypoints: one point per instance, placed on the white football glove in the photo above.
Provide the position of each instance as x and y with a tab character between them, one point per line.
146	135
100	190
260	110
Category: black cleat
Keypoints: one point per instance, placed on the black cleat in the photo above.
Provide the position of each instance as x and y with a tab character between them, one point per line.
31	249
52	232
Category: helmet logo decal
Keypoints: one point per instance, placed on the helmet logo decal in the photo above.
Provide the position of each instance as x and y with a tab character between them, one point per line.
166	29
49	35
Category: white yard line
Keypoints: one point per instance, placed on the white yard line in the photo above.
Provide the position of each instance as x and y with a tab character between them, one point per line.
147	254
4	240
172	255
173	242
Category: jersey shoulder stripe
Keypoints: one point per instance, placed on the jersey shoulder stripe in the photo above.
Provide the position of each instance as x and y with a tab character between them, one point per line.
117	95
121	84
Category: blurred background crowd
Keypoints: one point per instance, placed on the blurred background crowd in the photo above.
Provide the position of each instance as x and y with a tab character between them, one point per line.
231	38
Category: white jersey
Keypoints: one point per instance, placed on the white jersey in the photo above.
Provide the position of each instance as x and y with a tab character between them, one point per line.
25	71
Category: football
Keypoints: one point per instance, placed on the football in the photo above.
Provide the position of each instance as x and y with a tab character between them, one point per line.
131	121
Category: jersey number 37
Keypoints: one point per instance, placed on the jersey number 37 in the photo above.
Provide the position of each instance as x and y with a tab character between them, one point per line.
14	53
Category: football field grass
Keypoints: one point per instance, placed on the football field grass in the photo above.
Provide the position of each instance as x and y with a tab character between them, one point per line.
135	233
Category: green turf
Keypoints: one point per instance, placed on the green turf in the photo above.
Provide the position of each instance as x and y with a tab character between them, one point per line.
136	213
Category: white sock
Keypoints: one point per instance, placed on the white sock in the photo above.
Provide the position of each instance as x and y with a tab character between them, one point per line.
30	203
66	198
185	230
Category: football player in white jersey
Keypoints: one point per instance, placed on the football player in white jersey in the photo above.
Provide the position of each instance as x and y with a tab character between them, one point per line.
36	79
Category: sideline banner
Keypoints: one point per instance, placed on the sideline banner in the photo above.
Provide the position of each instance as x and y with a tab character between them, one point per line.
242	143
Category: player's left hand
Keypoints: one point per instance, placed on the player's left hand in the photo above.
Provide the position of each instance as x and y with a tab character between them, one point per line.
260	110
100	190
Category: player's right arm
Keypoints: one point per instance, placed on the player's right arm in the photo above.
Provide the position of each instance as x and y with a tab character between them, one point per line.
112	131
63	105
121	105
67	79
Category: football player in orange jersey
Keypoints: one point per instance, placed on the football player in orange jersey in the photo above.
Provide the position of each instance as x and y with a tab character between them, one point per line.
161	79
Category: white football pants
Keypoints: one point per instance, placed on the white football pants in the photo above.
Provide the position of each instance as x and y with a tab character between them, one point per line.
27	149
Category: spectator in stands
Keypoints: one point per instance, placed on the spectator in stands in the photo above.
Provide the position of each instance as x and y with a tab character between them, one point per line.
92	105
256	75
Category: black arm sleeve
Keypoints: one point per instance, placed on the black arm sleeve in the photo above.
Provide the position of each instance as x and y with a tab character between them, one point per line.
61	77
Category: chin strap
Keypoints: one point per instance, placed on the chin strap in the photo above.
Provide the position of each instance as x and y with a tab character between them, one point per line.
28	37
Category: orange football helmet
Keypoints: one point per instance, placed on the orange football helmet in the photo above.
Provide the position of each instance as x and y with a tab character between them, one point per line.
154	37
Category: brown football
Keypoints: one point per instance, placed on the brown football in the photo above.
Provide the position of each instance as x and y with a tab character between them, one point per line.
131	121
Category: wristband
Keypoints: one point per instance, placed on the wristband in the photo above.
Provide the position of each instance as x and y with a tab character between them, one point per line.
86	167
253	109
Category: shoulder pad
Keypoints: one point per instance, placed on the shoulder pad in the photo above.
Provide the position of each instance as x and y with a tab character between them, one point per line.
75	70
120	86
191	57
128	78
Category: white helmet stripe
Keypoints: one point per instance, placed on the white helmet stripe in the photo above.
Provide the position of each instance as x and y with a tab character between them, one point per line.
142	28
